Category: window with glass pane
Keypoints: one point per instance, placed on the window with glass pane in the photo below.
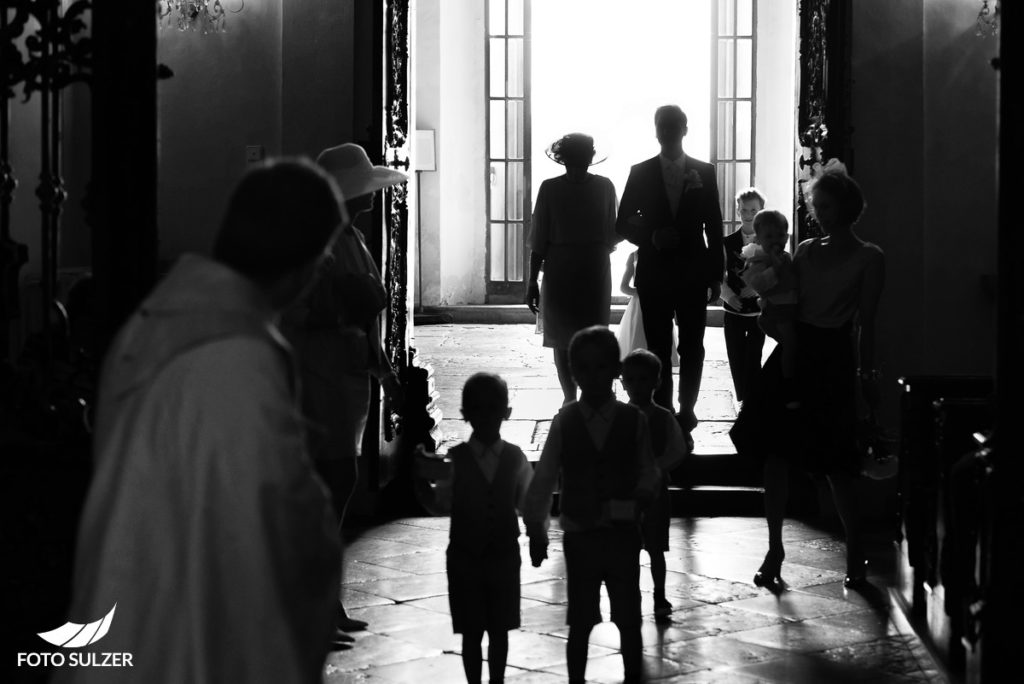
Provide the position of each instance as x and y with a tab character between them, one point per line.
734	102
508	142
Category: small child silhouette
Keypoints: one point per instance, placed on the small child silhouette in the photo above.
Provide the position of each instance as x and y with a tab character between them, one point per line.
601	448
641	373
489	479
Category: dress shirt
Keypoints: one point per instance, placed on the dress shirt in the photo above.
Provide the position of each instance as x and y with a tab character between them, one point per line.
598	422
673	171
488	456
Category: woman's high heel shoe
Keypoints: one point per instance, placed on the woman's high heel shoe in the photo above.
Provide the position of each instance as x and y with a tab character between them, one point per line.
768	576
856	573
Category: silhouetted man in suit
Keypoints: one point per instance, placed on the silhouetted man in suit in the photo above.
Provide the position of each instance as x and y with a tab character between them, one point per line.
670	211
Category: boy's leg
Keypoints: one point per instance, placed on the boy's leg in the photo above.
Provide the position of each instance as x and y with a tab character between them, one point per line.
497	654
472	656
752	349
735	342
585	557
623	583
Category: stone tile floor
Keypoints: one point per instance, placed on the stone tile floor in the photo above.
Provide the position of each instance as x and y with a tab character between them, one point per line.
724	629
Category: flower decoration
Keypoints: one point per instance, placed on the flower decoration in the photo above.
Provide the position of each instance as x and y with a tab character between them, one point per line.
692	180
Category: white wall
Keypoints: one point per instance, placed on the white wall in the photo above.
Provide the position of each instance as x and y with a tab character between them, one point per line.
427	66
461	153
775	142
225	95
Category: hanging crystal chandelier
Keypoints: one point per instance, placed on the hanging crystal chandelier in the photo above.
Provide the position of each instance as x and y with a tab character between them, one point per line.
205	16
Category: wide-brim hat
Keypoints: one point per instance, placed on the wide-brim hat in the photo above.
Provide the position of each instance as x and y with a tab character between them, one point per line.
350	166
574	139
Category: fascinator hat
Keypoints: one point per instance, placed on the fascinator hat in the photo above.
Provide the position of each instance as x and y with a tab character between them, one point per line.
575	149
355	174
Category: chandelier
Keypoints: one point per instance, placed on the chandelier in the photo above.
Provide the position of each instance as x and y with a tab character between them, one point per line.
205	16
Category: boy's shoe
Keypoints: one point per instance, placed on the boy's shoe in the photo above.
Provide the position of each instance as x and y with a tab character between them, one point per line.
662	611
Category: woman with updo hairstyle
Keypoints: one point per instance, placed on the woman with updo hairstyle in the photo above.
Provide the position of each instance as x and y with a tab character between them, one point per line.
840	281
573	234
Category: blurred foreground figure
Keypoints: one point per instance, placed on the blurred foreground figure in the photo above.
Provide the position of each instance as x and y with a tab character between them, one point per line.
205	523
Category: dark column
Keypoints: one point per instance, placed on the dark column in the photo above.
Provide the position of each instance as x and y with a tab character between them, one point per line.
1003	604
122	194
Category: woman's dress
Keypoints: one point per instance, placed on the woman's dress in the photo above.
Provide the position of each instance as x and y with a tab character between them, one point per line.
631	331
574	230
819	436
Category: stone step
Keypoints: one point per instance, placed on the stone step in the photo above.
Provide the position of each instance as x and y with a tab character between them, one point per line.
513	313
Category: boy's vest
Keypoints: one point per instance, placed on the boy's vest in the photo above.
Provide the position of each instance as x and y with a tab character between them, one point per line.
483	518
591	477
657	421
734	263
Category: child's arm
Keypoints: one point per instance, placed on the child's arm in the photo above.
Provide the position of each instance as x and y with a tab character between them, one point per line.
626	286
648	477
675	448
524	475
537	502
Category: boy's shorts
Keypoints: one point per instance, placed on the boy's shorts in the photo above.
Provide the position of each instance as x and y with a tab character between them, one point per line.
610	555
655	522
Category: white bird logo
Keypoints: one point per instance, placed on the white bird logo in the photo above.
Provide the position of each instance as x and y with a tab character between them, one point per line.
74	635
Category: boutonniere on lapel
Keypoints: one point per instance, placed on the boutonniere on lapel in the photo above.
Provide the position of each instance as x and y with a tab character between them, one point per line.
692	181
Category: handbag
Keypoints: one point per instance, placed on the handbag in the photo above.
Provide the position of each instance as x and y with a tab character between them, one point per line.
877	448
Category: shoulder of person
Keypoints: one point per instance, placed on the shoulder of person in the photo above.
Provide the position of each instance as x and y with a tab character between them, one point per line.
805	246
512	450
872	250
700	165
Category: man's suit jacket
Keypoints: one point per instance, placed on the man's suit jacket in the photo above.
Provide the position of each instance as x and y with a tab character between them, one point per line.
645	207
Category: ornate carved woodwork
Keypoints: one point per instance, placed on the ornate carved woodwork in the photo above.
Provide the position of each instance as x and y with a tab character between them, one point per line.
823	111
43	51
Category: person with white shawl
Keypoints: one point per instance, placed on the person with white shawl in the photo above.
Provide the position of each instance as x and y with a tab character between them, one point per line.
205	523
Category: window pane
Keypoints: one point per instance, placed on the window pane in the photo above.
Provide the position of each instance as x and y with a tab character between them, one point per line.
514	198
514	129
726	114
497	191
743	130
744	67
726	17
744	18
514	250
725	199
497	124
726	55
515	17
497	17
742	176
729	188
497	251
515	67
497	67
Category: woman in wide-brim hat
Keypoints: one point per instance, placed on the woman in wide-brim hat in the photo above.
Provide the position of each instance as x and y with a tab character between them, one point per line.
573	234
336	336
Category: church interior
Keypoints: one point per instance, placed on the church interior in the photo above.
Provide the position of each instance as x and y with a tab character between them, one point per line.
124	128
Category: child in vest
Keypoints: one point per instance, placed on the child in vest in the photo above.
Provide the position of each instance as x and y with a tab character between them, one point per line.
641	373
601	448
769	271
489	480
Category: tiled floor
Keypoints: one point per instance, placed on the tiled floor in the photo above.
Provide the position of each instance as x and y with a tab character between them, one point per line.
724	629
